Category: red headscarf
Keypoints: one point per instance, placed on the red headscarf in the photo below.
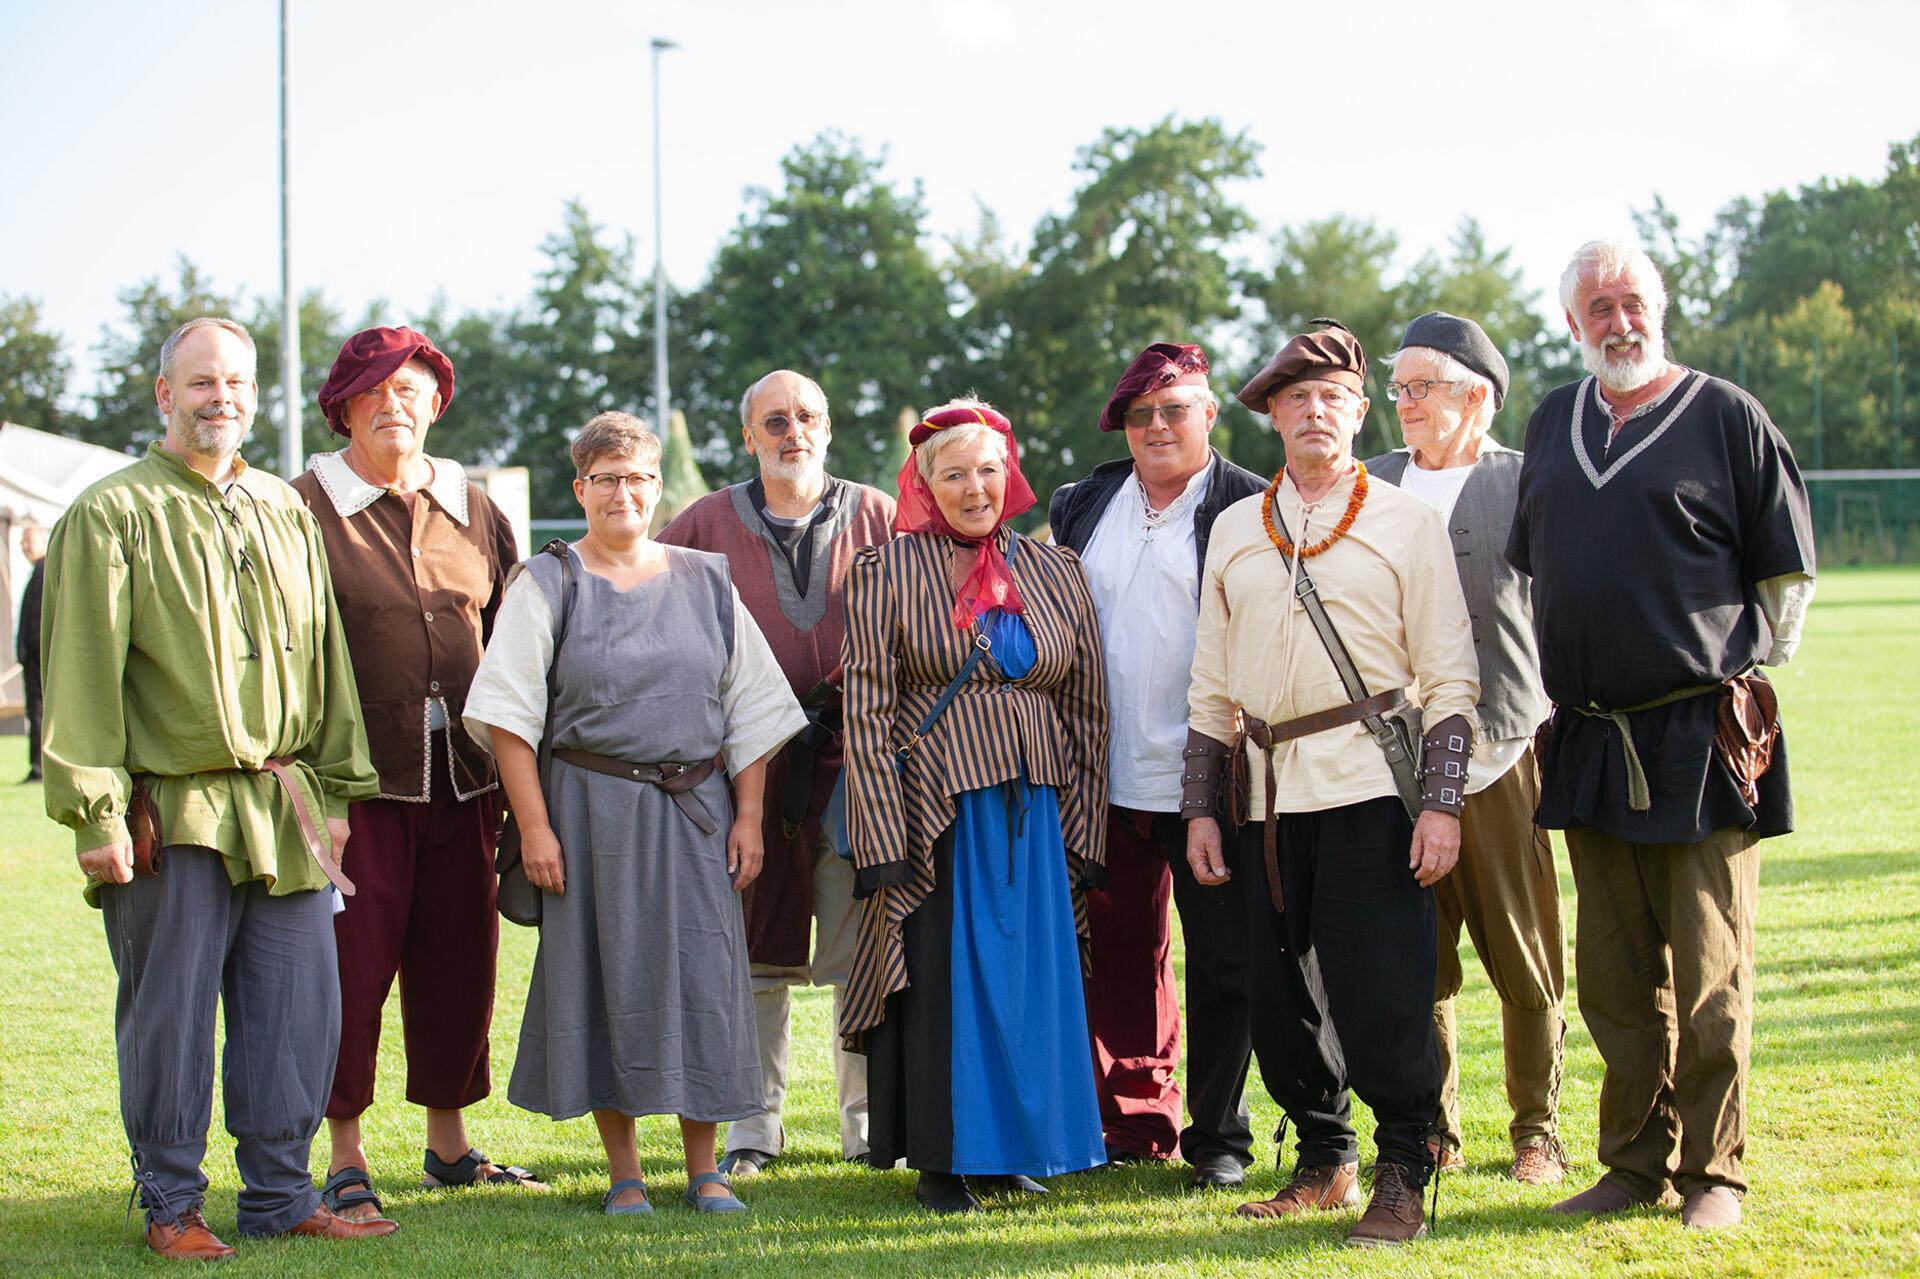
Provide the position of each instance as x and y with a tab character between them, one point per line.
990	584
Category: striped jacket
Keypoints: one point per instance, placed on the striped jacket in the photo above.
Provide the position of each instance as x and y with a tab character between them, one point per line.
901	651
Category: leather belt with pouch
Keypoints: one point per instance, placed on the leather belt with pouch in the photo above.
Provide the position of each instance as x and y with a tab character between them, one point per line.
143	826
677	780
1267	736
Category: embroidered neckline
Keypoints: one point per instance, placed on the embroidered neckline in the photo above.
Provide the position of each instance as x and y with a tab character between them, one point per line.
1599	478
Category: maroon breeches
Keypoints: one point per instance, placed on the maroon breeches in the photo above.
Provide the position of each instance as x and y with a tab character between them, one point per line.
424	912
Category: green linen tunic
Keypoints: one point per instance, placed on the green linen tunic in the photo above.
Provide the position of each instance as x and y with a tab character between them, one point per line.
191	635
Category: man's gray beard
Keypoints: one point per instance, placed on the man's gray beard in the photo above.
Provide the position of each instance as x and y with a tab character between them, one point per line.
1628	379
206	439
806	472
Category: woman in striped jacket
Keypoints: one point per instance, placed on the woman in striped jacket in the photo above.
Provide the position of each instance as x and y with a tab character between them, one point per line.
974	844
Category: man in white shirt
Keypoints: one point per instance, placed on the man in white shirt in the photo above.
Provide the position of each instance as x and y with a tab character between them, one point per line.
1448	381
1141	526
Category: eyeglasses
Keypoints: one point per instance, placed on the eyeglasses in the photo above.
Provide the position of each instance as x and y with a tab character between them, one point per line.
779	423
606	483
1416	389
1174	414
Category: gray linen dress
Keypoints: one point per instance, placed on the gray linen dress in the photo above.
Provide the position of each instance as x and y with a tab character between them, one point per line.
641	1000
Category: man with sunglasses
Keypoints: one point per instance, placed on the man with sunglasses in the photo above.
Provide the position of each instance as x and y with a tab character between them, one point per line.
789	534
419	558
1448	382
1141	526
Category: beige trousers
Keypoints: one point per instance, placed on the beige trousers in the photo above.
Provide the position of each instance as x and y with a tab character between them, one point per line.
1507	895
836	925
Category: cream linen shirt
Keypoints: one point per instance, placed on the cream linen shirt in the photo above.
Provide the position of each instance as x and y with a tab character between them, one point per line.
1390	587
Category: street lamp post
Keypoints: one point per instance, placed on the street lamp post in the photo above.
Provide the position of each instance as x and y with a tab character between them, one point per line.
291	459
661	404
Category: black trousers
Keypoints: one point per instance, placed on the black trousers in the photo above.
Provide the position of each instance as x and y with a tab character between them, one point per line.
1213	925
1343	989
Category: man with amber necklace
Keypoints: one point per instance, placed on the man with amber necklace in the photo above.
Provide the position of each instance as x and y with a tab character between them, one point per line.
1336	875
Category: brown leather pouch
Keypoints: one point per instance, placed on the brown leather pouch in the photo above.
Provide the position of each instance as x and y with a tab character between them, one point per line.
143	827
1746	724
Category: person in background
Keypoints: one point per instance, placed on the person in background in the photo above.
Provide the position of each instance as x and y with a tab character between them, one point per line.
33	545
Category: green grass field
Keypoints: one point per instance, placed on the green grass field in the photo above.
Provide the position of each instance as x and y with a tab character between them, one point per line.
1833	1144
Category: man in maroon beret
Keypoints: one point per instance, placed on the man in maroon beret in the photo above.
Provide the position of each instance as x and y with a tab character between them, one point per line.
418	556
1141	525
1324	602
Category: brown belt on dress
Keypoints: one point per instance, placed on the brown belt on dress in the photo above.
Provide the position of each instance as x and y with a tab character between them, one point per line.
310	833
1267	736
677	780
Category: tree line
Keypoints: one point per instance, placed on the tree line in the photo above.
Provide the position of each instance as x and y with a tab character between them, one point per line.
834	273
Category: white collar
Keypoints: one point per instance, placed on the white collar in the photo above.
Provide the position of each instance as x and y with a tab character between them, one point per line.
351	494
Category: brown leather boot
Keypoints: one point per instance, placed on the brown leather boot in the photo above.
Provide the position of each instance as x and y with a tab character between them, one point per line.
187	1238
1602	1197
323	1224
1322	1186
1715	1208
1395	1215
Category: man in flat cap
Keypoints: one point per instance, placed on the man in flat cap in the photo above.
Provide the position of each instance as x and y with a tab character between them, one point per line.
1670	542
419	557
789	535
1448	381
1325	603
1141	526
204	744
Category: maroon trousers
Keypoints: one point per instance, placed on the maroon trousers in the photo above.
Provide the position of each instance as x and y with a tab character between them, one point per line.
424	911
1130	995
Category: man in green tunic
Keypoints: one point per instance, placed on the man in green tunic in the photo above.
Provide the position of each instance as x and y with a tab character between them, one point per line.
198	688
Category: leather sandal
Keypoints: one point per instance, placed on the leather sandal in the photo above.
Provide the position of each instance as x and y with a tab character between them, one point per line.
339	1194
465	1171
642	1209
712	1203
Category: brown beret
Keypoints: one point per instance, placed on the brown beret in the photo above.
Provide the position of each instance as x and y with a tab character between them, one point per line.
1329	354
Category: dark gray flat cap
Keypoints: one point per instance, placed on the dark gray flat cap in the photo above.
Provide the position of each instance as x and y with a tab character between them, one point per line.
1465	341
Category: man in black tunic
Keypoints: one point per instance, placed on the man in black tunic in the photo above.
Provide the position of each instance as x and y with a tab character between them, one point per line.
1669	538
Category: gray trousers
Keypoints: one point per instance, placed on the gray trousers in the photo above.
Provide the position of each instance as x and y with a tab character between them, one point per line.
182	940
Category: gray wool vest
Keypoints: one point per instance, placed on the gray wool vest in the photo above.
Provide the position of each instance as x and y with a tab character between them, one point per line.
1512	703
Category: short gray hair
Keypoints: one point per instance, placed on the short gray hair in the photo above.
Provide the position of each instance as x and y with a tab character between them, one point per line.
614	435
1605	260
746	397
170	349
928	449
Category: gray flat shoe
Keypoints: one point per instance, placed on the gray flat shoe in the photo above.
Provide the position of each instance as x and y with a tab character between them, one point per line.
712	1203
642	1209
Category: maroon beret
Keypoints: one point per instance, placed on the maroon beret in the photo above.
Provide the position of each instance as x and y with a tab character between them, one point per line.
369	358
1162	364
1329	354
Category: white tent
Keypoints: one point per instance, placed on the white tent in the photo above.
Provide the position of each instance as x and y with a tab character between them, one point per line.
40	474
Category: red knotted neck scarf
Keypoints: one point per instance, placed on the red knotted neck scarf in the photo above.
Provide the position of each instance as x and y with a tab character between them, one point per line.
990	584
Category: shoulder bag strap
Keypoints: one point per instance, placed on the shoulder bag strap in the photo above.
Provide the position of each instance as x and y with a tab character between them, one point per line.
1398	752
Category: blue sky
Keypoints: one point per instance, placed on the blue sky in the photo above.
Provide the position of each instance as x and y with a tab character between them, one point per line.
435	144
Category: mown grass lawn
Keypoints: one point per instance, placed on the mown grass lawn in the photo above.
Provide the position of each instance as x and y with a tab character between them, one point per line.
1833	1146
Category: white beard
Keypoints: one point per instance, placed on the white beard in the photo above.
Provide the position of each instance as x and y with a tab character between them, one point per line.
1624	376
804	471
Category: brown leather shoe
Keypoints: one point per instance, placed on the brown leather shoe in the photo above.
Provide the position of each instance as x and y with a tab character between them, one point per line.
1322	1186
1603	1196
1395	1215
324	1224
1715	1208
1541	1164
1445	1160
187	1238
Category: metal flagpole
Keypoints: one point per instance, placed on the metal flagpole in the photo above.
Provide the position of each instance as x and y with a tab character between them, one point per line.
662	405
291	459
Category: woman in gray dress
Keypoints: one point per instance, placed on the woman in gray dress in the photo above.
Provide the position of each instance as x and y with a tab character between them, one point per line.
640	1002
